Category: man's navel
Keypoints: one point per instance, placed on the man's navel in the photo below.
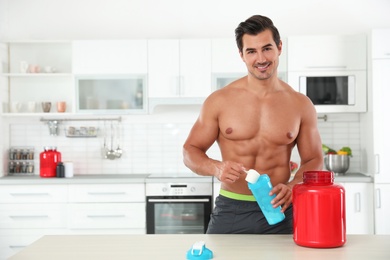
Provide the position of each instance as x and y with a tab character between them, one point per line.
229	130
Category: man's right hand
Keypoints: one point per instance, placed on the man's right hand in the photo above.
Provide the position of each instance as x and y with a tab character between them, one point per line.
229	171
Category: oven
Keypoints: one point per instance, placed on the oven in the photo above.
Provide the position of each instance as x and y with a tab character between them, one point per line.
178	207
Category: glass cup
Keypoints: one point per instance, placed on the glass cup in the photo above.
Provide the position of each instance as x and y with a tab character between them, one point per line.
61	106
46	106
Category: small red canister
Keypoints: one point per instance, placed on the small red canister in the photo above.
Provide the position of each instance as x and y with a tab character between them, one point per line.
48	160
319	211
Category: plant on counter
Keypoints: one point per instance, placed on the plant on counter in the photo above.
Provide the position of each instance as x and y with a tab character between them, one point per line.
343	151
293	166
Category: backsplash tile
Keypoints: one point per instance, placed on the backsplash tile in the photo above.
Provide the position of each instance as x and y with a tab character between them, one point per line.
152	145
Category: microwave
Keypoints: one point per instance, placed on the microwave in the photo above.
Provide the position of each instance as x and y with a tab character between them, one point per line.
332	91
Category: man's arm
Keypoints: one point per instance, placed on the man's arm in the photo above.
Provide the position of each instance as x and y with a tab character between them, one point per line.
310	152
202	135
309	146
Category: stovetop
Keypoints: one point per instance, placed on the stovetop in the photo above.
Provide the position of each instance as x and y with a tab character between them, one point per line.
178	178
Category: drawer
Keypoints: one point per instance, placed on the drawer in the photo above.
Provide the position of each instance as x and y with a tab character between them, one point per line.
33	193
33	215
106	215
14	240
10	245
107	193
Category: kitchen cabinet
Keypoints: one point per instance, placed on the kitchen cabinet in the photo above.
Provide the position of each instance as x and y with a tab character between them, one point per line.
380	119
107	207
378	142
111	94
327	52
179	68
380	44
27	212
382	208
31	68
110	76
359	208
110	57
226	62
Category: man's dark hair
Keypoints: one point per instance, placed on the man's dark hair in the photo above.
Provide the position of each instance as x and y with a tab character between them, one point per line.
255	25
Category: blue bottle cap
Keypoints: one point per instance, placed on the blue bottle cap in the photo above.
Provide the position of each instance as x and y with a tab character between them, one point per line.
199	251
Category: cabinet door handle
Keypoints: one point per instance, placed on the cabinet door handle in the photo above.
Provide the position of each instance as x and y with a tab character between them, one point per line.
378	198
377	164
28	216
357	202
327	67
106	216
16	246
106	193
29	194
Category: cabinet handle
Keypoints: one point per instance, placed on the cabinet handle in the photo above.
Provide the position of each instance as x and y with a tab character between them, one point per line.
357	202
29	194
327	67
16	247
377	164
29	216
106	216
378	198
106	193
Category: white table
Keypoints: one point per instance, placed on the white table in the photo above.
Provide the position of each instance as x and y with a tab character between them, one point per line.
174	247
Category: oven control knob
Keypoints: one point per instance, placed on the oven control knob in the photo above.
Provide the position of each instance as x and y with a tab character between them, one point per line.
193	189
164	189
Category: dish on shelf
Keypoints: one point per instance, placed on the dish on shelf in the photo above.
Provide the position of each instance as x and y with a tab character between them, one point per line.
82	131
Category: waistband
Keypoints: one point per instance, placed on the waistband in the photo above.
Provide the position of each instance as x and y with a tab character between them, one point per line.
236	196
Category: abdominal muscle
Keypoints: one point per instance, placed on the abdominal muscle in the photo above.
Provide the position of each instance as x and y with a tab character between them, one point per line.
272	159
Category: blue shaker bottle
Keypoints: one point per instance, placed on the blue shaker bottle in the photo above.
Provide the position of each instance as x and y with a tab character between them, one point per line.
260	185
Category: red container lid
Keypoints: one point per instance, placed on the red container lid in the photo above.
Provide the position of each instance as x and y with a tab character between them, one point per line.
320	177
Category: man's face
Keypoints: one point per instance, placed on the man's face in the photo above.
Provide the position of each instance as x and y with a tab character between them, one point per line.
260	54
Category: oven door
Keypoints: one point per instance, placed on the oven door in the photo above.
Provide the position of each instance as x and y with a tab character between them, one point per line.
177	214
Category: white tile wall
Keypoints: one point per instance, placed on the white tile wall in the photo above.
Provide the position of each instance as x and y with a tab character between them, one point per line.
153	143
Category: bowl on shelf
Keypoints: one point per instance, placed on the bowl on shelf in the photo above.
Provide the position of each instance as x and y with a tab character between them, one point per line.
339	164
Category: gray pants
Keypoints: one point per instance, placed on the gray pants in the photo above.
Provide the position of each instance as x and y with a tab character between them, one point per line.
245	217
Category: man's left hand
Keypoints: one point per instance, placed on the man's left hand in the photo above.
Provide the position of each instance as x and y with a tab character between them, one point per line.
283	196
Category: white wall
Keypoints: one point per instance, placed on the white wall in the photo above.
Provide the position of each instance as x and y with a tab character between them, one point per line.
81	19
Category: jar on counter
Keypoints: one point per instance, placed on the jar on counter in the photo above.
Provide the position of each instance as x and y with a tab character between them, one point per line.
319	211
48	162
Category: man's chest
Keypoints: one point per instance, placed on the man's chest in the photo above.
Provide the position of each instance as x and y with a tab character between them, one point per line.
276	126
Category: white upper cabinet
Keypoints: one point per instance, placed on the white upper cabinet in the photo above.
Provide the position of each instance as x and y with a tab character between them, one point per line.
341	52
381	44
179	68
227	64
110	57
226	57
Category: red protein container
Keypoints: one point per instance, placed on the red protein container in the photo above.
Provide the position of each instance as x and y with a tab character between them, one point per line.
48	160
319	211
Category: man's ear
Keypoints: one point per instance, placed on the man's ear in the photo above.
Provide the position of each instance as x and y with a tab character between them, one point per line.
280	47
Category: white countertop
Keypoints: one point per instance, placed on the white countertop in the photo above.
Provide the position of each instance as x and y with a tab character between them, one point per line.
141	178
224	247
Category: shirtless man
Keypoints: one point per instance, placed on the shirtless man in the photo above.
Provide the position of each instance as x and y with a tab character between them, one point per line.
256	120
